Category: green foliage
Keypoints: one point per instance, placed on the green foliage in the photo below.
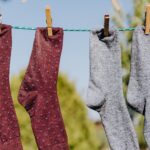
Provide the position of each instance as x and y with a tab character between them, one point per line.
139	129
81	132
131	19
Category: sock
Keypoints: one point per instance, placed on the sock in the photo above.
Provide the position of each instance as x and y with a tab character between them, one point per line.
105	92
138	95
9	128
135	95
38	91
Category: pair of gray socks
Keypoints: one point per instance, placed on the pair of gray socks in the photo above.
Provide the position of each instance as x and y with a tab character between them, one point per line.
105	92
139	85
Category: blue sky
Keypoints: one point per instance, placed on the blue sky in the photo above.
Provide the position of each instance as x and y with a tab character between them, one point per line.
66	14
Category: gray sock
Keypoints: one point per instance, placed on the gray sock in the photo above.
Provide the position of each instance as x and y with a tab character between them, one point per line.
138	95
105	92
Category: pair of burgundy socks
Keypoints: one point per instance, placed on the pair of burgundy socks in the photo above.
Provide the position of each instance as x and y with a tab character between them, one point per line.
38	93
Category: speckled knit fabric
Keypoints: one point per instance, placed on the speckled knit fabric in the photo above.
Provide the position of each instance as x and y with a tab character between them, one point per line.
138	95
105	92
9	129
38	91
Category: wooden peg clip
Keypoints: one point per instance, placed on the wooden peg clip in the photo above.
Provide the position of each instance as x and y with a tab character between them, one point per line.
147	19
106	25
49	20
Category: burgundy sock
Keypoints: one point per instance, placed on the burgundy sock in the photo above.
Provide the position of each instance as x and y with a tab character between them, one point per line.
9	129
38	91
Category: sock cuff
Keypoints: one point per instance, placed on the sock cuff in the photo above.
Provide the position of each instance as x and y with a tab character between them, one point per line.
140	32
98	35
57	33
5	29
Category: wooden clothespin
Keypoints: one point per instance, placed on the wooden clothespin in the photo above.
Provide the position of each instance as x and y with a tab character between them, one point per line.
147	19
106	25
49	20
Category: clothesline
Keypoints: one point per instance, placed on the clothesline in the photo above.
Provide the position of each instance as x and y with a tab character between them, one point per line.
71	30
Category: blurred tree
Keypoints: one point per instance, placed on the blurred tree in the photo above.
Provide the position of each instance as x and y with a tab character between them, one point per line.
82	133
116	5
131	19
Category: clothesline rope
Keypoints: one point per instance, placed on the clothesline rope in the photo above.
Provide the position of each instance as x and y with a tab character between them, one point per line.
71	30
